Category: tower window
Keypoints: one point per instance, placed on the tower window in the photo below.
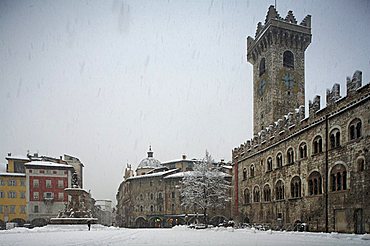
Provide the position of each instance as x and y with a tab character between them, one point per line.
288	59
262	66
355	129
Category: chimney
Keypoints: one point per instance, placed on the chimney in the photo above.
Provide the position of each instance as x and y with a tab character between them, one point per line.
184	157
9	154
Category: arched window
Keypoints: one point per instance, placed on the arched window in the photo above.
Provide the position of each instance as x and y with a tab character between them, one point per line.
151	208
267	193
151	196
160	195
295	187
290	155
334	138
303	150
173	207
279	160
269	164
245	174
141	209
246	196
314	184
317	145
252	171
288	59
360	165
279	190
262	67
338	176
355	129
256	194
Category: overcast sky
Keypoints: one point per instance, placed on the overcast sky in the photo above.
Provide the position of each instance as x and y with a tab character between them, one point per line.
103	80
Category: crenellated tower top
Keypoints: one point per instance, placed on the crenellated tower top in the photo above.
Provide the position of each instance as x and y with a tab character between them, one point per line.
277	29
277	54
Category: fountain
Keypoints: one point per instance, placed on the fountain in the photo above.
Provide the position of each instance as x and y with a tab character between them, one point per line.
77	211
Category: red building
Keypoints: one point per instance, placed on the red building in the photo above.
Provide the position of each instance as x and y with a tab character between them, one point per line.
45	190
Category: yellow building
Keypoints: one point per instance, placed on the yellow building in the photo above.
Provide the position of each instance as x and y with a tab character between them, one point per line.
12	198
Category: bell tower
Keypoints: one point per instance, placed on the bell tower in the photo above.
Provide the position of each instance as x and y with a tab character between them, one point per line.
277	55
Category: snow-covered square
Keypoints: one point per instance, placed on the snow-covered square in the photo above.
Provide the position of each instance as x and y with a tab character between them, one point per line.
179	235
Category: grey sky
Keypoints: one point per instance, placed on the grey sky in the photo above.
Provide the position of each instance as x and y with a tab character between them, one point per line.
102	80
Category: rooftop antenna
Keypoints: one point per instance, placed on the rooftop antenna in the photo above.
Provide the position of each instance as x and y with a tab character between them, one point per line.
275	5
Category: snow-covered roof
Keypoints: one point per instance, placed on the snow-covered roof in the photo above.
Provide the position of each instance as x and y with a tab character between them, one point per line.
178	160
227	167
149	162
13	174
47	164
182	174
150	175
175	175
17	157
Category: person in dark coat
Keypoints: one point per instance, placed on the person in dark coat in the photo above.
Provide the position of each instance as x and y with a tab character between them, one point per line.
89	224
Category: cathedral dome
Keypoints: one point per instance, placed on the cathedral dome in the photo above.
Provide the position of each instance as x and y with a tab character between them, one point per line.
149	162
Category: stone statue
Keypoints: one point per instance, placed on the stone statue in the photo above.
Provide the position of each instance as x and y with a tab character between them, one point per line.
74	180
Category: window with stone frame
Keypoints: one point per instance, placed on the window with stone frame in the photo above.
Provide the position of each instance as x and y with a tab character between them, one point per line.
151	196
141	209
295	187
35	183
60	183
334	138
360	165
279	190
290	156
256	194
245	175
314	184
269	164
267	193
338	178
2	195
246	195
303	150
279	160
262	67
151	208
252	171
317	145
36	209
355	129
12	182
35	196
288	59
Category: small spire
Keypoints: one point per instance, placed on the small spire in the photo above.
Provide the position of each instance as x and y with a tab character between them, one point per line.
150	152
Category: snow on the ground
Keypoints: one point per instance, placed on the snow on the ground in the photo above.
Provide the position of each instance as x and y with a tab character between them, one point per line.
180	235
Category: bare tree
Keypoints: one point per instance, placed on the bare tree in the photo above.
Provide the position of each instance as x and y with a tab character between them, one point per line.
205	187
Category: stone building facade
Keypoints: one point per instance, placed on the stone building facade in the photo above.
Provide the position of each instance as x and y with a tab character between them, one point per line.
305	169
152	198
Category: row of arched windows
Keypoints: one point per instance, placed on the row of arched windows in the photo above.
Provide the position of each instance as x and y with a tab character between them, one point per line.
338	179
355	130
288	62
